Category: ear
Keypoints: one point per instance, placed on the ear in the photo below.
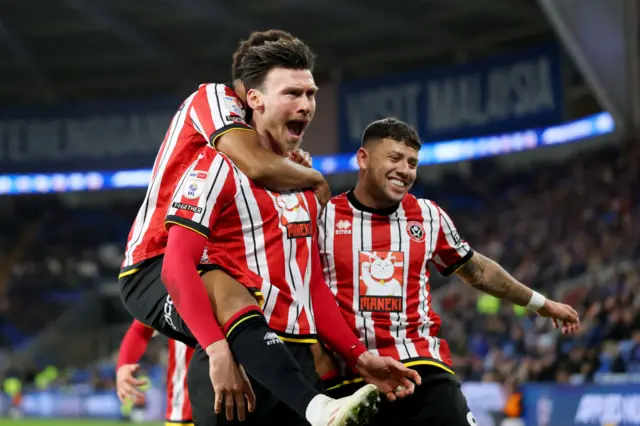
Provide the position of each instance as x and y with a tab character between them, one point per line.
254	99
362	156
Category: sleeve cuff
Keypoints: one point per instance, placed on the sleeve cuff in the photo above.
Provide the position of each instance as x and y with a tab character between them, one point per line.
218	133
355	353
451	269
186	223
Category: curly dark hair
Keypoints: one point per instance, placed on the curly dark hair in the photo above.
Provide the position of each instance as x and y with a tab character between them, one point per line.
265	50
391	128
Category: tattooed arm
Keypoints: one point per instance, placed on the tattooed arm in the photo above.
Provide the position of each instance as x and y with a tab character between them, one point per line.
485	275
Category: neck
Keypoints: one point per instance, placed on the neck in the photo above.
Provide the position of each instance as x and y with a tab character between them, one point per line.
364	195
240	91
266	141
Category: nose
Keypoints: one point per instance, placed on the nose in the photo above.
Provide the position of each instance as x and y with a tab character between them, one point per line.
403	169
304	105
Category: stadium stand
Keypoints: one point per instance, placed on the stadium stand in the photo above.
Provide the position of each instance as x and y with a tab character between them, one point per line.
554	223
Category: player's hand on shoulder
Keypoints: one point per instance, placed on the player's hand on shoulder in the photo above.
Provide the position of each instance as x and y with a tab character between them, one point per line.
127	385
322	190
563	316
393	378
301	157
230	382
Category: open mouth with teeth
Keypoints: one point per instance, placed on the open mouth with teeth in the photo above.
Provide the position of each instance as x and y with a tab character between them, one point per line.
398	183
296	127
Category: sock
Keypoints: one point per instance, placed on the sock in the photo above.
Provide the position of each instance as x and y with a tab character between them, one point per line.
265	358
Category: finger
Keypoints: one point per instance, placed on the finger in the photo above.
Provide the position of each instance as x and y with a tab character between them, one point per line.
240	406
408	385
391	396
413	375
121	396
228	404
135	382
554	322
218	401
131	391
251	398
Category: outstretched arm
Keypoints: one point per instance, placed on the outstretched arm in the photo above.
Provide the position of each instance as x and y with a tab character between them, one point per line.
485	275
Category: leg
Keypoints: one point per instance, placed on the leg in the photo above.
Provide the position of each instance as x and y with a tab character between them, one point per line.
147	300
442	403
272	365
203	396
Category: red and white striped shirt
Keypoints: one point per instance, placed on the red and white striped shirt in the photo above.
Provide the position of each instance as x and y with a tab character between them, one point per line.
178	404
264	239
376	264
207	114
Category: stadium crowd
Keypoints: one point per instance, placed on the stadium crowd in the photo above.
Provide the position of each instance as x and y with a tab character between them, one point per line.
548	225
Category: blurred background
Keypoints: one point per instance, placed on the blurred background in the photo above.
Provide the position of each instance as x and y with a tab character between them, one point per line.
529	111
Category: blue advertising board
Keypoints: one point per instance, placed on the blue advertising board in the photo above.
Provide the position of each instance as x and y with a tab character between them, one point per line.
495	95
84	136
584	405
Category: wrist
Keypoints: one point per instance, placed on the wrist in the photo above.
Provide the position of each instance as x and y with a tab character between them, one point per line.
363	359
360	356
217	347
536	302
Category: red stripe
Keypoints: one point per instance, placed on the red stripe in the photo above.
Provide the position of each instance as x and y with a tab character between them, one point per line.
203	110
343	252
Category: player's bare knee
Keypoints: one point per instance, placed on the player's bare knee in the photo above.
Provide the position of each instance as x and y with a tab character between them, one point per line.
227	296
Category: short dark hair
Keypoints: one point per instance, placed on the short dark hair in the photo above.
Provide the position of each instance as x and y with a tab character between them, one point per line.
265	50
391	128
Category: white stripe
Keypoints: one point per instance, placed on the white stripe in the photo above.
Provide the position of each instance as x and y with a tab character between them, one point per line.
214	106
196	123
213	187
326	243
399	233
437	349
366	245
306	296
141	225
429	211
177	379
255	254
462	248
431	225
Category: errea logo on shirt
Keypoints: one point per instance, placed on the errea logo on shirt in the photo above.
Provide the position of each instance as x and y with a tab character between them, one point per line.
343	227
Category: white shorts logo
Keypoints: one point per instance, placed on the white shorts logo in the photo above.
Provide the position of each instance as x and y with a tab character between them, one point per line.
168	309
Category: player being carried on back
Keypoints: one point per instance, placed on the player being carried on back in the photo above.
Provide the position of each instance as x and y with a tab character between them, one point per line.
208	225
